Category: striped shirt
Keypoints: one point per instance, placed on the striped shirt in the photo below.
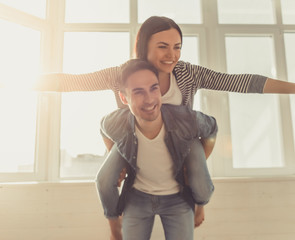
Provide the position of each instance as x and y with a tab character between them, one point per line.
189	78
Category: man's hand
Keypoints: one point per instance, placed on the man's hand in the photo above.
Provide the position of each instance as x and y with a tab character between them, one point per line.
116	228
208	145
122	176
108	143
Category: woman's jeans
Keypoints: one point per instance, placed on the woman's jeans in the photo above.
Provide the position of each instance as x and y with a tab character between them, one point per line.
198	175
176	215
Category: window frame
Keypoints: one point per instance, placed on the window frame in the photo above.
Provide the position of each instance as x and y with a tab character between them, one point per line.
221	166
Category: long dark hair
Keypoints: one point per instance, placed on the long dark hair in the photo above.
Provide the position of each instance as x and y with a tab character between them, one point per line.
151	26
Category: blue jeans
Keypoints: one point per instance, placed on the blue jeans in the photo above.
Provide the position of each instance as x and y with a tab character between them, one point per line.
198	178
176	215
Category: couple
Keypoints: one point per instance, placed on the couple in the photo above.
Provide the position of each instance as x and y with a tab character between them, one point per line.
159	42
154	140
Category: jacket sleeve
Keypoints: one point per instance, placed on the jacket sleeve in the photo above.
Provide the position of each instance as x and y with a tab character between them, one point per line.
103	128
114	125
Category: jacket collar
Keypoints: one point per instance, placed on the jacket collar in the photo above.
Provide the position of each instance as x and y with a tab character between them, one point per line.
167	117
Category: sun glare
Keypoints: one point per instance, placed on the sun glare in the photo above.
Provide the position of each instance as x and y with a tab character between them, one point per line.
20	56
18	130
20	66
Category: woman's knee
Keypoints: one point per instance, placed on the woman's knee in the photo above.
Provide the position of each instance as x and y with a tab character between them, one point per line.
109	172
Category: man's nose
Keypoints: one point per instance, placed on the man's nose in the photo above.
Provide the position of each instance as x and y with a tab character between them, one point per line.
148	98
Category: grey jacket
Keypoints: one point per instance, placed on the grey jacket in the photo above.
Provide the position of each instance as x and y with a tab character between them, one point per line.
182	126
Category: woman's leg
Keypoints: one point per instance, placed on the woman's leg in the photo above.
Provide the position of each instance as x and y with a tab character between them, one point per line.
198	175
199	179
107	182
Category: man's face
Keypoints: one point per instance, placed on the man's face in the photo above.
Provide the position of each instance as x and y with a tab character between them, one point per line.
143	96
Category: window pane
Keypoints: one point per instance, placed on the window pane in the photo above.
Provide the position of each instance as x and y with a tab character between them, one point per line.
34	7
246	11
97	11
19	61
290	55
288	11
18	130
20	55
190	50
82	148
188	11
254	119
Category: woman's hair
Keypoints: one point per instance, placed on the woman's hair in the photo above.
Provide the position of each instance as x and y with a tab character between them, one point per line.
151	26
133	66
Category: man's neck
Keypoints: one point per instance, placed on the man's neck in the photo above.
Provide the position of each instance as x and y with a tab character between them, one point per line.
150	129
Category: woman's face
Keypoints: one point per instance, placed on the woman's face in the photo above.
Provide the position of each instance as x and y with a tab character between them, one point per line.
164	50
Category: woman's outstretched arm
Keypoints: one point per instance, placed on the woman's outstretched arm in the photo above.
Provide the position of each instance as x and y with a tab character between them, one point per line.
105	79
278	86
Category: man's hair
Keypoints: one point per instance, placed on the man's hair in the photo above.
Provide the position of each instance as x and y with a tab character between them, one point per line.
150	27
133	66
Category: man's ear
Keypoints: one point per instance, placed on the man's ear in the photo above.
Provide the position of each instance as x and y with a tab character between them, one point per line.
123	98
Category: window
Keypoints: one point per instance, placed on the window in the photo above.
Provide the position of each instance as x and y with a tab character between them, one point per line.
18	132
190	50
246	11
20	64
90	11
187	12
33	7
290	56
255	126
81	147
260	145
190	53
288	11
55	136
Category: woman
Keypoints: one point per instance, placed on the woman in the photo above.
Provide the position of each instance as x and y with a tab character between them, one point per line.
159	41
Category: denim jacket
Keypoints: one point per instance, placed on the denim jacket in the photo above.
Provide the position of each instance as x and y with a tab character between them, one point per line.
182	126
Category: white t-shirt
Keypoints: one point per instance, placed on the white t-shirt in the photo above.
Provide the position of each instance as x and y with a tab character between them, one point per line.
173	95
154	166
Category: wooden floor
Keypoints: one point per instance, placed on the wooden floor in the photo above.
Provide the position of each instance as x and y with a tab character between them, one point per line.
240	209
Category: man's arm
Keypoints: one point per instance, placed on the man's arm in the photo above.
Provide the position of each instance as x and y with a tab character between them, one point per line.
108	143
208	145
106	130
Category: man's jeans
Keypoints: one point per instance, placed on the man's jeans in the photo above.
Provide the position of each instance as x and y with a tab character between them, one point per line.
198	178
176	215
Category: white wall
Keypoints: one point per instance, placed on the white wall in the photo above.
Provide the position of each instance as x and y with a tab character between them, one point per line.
240	209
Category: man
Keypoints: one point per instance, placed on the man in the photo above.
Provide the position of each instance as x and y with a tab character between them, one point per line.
154	140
